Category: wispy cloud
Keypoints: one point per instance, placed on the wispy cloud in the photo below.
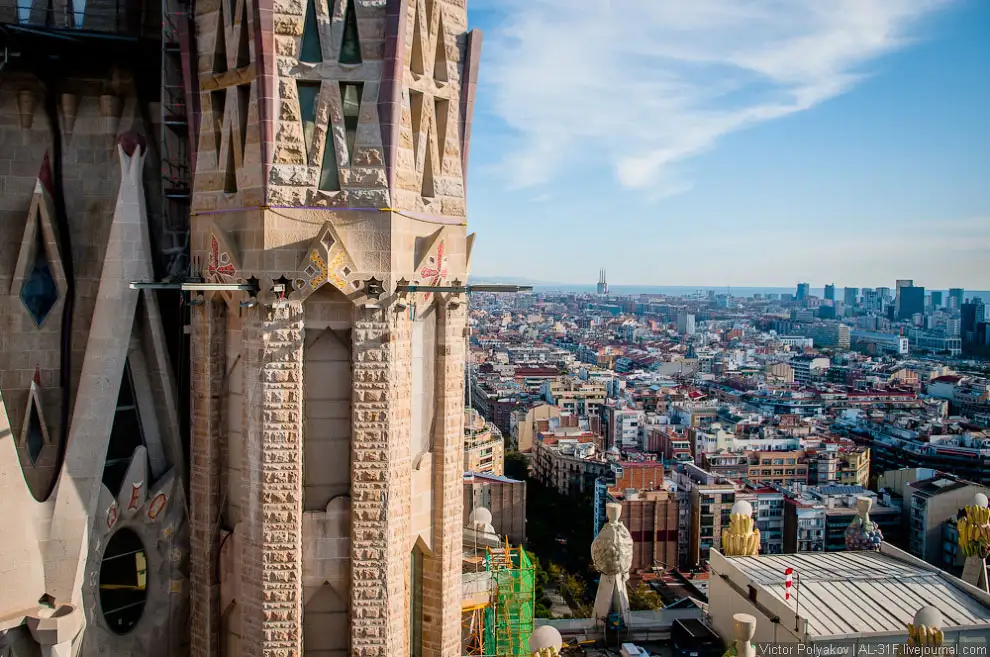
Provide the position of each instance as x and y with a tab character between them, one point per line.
641	85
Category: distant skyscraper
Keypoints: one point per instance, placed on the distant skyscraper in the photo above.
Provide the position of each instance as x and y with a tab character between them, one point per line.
937	299
803	290
830	292
971	314
602	283
884	293
852	293
897	295
956	298
911	300
685	323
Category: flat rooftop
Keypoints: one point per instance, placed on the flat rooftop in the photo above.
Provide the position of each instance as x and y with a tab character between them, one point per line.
862	592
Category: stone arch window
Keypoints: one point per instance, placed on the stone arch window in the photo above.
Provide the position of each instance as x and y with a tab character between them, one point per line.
123	581
126	435
416	602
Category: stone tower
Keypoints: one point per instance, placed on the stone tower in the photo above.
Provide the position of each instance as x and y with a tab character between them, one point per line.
327	412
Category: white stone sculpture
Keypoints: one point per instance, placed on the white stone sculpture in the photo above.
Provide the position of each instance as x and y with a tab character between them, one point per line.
611	553
862	533
974	539
545	641
744	628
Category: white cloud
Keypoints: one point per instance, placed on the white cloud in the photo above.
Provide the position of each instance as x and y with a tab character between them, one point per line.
644	84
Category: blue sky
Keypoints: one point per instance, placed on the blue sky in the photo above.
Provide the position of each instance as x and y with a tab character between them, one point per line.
733	142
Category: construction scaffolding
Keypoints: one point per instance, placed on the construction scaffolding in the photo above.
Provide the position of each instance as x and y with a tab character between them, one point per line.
509	619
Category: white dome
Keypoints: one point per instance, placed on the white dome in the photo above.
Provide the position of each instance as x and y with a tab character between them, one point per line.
928	617
545	637
481	516
980	500
743	507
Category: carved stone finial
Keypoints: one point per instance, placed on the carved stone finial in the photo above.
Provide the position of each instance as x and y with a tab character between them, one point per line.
613	512
744	629
862	533
742	538
545	641
926	631
611	553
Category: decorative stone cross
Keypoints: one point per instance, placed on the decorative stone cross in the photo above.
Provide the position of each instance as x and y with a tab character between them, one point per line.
611	552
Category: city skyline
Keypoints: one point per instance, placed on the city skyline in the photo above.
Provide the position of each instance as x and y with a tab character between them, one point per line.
849	147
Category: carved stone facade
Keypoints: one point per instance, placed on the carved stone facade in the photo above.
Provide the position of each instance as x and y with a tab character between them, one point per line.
326	484
92	468
325	459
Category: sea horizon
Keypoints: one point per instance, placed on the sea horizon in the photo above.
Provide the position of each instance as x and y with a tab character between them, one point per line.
685	290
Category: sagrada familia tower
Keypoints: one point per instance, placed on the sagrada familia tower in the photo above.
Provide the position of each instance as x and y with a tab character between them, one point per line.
229	424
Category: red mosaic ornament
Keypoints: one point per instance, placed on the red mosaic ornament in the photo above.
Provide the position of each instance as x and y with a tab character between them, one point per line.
435	270
220	268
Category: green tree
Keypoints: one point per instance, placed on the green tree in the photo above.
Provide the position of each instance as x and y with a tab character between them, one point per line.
644	598
516	466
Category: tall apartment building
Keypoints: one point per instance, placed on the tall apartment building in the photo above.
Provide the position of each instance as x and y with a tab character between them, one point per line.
768	513
484	448
930	504
574	395
685	323
321	152
808	368
622	427
651	518
850	297
778	467
804	526
829	334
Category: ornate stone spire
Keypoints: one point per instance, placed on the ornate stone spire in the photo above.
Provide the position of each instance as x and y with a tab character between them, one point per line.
742	539
611	552
974	540
862	533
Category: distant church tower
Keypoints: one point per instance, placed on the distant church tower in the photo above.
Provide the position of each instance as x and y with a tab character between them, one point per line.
602	283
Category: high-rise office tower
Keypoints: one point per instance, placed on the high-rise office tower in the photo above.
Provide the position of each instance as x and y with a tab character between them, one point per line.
685	323
911	300
803	290
851	296
327	145
956	298
901	283
936	299
830	292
